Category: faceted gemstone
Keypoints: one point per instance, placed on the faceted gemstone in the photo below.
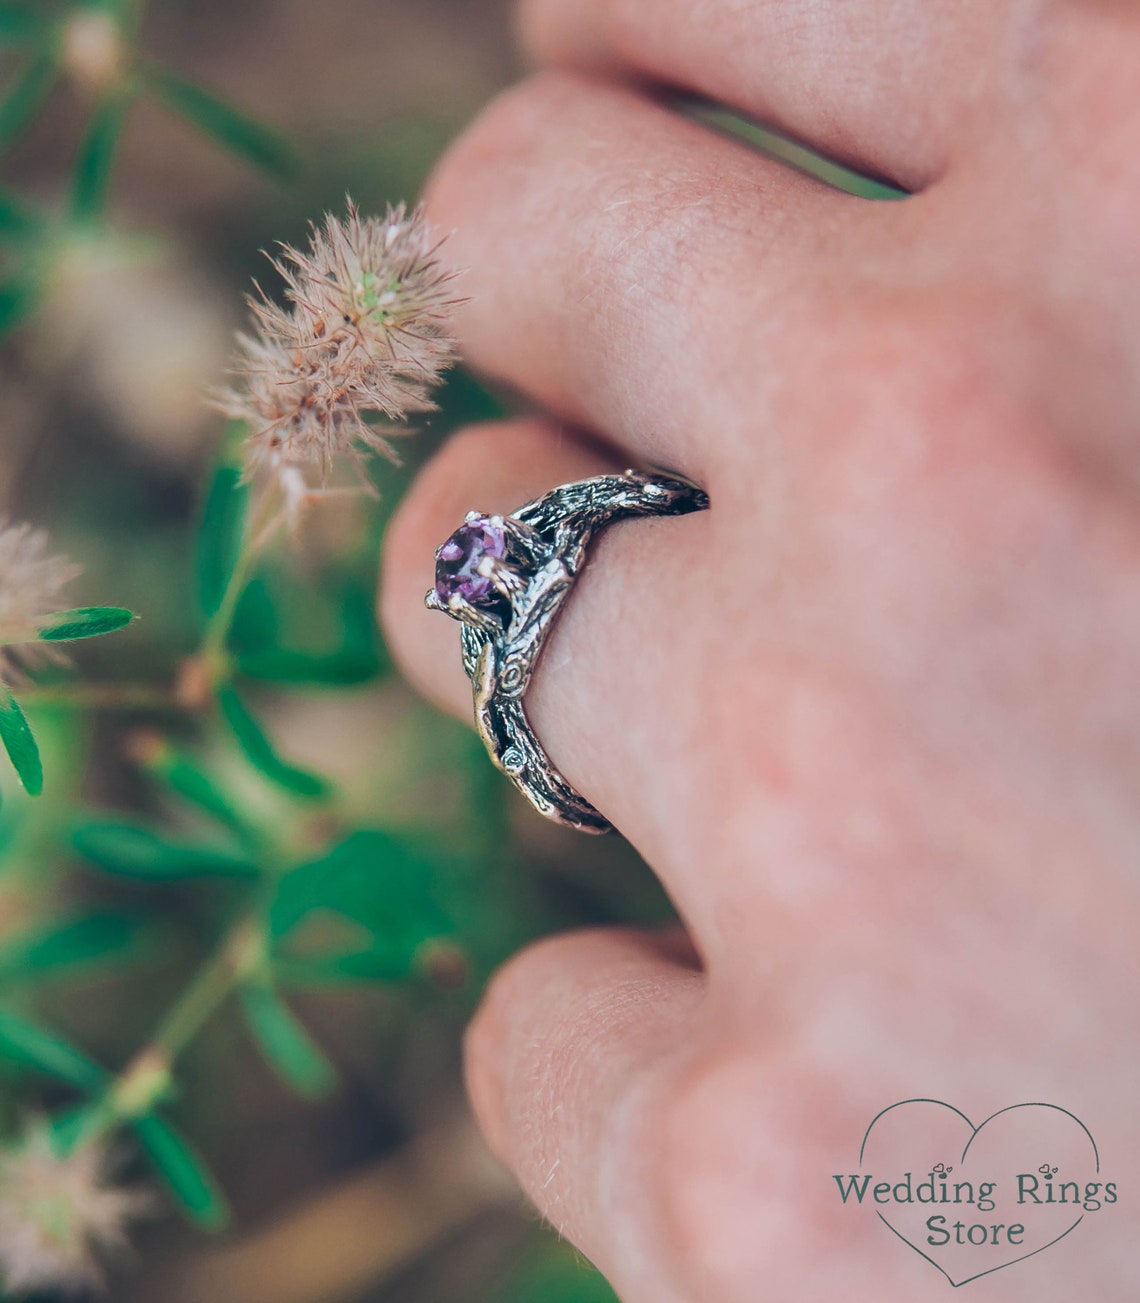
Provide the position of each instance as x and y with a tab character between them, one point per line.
457	561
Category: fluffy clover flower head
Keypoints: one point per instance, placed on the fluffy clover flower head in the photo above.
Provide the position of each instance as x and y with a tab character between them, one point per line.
58	1212
363	335
32	584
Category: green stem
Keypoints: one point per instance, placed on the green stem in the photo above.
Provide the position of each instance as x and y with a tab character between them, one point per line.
147	1078
235	959
213	646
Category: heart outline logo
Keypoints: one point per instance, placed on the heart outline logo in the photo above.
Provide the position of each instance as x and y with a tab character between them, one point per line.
974	1132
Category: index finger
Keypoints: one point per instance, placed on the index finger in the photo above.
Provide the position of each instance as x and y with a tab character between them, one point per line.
629	269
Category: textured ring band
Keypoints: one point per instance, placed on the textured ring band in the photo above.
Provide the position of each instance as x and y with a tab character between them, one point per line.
505	579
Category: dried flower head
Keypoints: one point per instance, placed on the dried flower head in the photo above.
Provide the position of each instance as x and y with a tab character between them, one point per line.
57	1212
32	583
363	337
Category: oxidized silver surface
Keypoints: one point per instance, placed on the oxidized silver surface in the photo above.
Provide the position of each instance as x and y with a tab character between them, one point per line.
503	638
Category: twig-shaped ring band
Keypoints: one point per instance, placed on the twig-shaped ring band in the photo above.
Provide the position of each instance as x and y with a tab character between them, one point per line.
505	579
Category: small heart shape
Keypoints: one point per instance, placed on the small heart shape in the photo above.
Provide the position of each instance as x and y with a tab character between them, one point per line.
973	1200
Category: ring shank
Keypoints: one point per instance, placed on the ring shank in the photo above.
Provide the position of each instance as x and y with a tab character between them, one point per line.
499	665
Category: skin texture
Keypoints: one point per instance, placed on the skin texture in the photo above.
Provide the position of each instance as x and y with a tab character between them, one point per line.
896	791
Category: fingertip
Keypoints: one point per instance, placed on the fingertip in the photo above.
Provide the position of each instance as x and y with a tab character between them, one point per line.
569	1032
483	1062
424	646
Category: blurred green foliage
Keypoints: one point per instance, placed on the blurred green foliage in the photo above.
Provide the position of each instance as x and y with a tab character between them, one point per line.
192	879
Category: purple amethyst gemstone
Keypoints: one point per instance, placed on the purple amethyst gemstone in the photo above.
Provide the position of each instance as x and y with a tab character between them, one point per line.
457	561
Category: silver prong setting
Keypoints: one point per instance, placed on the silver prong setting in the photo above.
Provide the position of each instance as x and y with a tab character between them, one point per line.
463	611
505	579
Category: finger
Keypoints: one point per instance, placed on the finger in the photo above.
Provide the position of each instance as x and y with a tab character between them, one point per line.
890	88
573	1047
604	700
628	268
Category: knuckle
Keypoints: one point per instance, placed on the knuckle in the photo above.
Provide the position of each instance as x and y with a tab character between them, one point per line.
746	1146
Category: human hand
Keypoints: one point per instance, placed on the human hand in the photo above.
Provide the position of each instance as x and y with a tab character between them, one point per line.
872	718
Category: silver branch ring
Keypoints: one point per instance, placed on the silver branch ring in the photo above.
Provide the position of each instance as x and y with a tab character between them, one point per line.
505	579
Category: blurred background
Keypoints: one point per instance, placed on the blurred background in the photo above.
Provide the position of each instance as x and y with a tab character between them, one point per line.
129	232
